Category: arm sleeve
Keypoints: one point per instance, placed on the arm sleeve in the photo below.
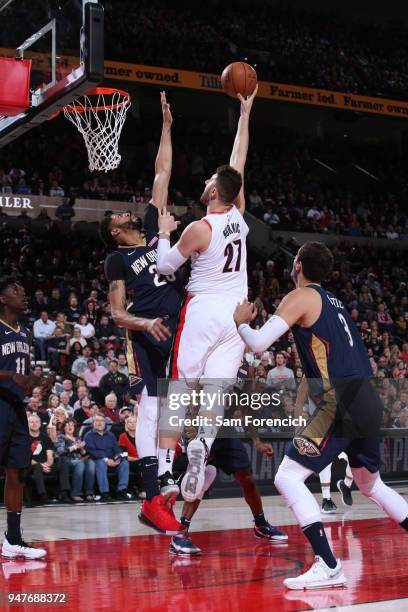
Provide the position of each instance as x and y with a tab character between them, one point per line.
261	339
169	259
151	218
114	268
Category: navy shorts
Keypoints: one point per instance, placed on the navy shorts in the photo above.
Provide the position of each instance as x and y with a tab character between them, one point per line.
147	359
230	455
15	442
361	452
348	421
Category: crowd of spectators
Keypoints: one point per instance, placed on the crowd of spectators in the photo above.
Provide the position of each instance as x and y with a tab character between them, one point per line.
323	50
293	181
287	45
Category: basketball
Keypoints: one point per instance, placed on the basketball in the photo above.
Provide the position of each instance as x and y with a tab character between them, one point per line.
239	78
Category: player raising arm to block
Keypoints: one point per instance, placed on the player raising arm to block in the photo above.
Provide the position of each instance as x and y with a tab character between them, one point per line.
348	414
147	304
16	381
207	346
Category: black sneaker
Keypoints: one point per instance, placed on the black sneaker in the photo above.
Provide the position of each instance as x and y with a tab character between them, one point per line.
43	499
328	506
345	492
64	498
168	486
124	495
105	497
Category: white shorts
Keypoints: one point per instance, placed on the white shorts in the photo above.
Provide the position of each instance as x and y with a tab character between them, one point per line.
207	344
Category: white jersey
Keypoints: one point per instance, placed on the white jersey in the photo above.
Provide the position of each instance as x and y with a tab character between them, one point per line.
222	268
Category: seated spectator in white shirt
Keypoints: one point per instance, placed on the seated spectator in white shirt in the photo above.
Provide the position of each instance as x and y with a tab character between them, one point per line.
77	337
281	373
56	190
87	329
43	329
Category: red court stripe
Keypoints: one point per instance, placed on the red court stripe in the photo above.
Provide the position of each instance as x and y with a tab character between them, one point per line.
174	369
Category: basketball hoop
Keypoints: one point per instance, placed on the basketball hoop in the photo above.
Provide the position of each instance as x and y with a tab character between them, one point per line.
99	116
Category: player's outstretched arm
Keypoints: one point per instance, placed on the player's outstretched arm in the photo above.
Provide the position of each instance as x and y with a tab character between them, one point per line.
162	168
240	148
123	318
195	238
290	311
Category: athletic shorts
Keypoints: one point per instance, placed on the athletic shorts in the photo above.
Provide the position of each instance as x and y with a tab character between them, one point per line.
15	442
147	359
207	344
348	420
229	455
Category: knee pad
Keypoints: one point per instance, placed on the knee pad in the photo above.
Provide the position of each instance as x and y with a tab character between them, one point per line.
288	478
385	497
290	482
146	430
366	481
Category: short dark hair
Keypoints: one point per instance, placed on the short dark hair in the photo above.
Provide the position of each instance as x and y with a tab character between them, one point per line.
229	183
6	282
105	232
316	260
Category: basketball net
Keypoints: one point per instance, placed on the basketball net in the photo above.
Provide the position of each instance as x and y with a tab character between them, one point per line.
99	116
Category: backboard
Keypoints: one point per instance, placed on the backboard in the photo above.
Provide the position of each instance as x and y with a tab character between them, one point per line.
64	39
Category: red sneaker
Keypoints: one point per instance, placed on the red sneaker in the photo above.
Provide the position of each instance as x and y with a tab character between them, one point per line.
170	507
155	514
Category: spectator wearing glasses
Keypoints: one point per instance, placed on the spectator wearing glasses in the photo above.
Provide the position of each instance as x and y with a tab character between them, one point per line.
71	449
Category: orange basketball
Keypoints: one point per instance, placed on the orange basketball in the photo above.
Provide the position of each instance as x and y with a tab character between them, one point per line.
239	78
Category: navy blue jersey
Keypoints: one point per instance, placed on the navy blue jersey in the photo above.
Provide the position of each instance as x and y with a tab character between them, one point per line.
14	355
151	294
332	347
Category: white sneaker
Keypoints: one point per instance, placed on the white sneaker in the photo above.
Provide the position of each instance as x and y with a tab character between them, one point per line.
319	576
193	480
15	551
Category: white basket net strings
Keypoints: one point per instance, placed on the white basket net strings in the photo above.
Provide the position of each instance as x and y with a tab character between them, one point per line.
101	129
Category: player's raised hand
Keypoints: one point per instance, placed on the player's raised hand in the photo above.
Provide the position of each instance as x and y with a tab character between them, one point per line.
167	116
167	222
159	331
244	313
246	103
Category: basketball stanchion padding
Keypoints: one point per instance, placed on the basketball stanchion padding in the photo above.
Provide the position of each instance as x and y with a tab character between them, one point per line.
14	86
99	116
